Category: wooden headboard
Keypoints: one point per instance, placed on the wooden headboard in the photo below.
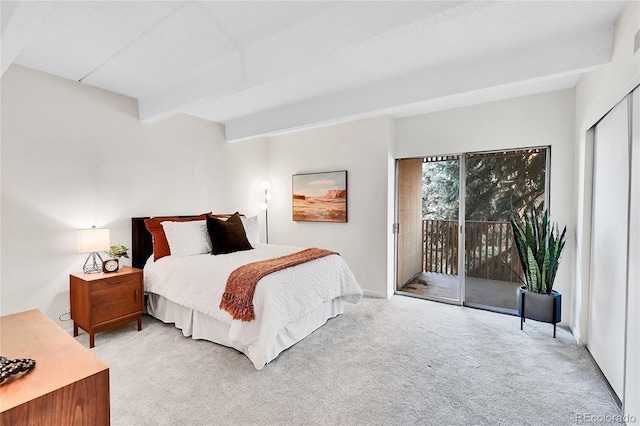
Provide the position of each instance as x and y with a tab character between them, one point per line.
142	242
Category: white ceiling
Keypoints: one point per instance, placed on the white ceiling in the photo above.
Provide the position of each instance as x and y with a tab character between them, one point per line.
267	67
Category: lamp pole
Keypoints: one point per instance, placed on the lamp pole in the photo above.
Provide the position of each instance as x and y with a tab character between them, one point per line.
265	206
266	216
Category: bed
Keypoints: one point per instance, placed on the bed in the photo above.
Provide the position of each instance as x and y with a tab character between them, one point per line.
289	304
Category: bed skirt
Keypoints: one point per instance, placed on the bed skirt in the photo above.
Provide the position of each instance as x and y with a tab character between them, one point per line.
200	326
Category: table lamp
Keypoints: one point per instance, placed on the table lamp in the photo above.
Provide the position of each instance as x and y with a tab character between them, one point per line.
92	241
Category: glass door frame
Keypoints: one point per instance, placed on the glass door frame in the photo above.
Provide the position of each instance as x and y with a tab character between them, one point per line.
462	243
460	300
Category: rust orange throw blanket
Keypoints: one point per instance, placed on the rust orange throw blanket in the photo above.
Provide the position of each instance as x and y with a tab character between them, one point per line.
241	284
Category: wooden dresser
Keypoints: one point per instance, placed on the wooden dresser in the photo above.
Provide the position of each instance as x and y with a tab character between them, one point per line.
68	386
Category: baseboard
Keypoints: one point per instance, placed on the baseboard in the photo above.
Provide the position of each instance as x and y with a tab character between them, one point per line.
576	335
377	295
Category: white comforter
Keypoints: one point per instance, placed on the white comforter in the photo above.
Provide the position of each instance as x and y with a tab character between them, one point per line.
198	283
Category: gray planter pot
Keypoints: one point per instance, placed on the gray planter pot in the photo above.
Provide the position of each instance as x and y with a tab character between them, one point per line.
540	307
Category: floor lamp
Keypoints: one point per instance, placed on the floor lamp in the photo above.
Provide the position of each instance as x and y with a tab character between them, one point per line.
265	206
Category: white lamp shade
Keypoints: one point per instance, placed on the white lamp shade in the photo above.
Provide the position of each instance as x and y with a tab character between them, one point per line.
92	240
266	185
263	206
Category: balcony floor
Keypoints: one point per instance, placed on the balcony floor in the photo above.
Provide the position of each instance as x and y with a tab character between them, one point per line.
479	291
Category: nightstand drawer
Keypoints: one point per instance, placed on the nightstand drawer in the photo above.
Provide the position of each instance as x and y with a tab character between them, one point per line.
115	300
114	283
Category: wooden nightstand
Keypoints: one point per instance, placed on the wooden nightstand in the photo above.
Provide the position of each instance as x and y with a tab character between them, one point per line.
102	301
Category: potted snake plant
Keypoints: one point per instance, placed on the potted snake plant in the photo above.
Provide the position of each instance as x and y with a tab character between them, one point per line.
540	246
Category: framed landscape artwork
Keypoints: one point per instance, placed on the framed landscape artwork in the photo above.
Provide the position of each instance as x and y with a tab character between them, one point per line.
320	197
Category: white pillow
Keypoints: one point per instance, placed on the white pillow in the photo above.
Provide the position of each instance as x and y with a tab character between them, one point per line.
187	238
251	228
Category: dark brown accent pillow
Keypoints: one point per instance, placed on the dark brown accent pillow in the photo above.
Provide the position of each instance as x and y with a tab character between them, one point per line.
227	236
160	243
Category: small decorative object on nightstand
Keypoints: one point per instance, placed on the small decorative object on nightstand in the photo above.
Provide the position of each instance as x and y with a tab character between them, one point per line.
102	301
110	265
115	252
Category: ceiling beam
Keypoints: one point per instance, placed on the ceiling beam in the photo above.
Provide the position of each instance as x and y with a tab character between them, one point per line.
560	58
278	84
327	38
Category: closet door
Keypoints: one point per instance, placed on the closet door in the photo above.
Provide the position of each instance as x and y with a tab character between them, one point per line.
607	301
631	402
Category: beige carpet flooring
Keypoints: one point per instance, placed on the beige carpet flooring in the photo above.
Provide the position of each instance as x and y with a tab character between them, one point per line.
402	361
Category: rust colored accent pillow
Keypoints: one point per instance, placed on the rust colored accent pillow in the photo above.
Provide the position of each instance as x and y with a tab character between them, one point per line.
160	243
227	236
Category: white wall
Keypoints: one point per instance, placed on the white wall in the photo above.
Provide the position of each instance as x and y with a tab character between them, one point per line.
361	148
74	156
537	120
245	169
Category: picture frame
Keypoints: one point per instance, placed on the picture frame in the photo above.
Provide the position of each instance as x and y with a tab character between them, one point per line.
320	197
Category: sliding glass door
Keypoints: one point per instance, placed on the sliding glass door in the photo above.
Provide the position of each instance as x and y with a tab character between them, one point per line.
497	186
428	208
455	242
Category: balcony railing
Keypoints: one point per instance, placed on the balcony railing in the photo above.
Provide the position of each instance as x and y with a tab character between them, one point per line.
489	250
